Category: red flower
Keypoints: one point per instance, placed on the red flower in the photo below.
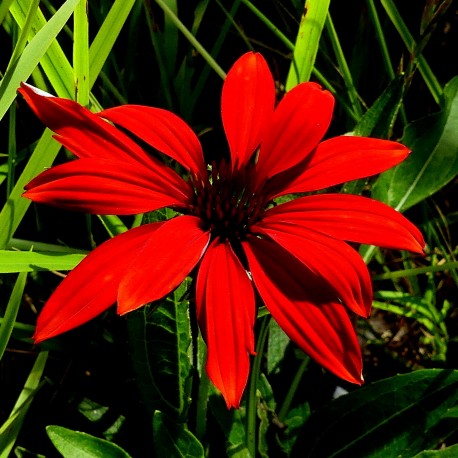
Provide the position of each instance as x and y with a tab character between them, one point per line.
295	252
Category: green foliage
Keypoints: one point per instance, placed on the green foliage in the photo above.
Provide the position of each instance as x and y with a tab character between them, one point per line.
433	162
74	443
399	416
165	376
177	56
174	439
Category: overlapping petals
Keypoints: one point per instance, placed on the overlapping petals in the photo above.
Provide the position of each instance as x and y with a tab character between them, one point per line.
341	267
81	131
338	160
92	286
109	187
162	130
247	103
305	308
226	313
299	123
229	235
163	262
351	218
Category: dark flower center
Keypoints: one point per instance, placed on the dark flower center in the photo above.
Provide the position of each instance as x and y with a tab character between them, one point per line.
226	201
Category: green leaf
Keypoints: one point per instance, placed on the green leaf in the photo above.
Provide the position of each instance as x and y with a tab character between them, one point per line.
42	48
393	417
161	344
12	426
379	119
12	309
174	440
276	347
447	452
232	422
307	41
28	261
74	443
433	162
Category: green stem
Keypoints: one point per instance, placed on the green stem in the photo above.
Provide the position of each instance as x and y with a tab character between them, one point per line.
384	49
192	39
425	70
342	63
251	409
416	271
292	390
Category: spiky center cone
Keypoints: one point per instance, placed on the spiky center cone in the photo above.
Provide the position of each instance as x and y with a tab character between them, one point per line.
227	202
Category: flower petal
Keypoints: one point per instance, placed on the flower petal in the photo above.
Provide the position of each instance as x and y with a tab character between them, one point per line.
162	130
108	187
299	123
92	286
340	266
81	131
226	314
162	263
342	159
303	306
352	218
247	103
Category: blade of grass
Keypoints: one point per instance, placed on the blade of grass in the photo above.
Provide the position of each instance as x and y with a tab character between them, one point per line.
31	55
11	312
106	36
15	207
11	428
307	41
192	39
4	8
29	261
53	61
343	66
81	53
425	70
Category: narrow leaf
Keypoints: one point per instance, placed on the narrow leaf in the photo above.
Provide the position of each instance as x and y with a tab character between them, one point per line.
307	41
11	312
11	428
29	261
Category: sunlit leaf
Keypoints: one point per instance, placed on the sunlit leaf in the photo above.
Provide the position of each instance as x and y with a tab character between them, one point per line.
73	444
398	416
433	162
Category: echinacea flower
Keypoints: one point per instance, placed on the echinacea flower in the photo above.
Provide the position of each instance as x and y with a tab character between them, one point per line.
232	232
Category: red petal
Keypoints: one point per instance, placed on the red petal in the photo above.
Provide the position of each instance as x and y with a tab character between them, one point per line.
162	263
304	308
108	187
226	313
353	218
81	131
247	102
163	130
340	266
298	124
342	159
92	286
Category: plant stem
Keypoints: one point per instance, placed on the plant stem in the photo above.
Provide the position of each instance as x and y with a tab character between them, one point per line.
251	409
292	390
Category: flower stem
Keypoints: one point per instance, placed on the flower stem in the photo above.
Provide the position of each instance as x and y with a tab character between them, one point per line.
292	390
251	409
